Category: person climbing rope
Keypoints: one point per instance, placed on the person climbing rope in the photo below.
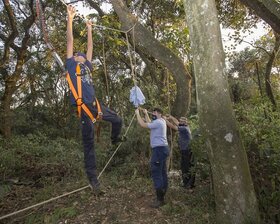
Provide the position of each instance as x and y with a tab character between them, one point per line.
160	152
79	68
187	161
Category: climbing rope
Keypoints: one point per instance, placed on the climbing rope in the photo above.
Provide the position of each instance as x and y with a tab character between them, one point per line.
130	58
105	69
170	160
74	191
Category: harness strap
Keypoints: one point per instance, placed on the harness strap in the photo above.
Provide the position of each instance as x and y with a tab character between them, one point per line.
78	97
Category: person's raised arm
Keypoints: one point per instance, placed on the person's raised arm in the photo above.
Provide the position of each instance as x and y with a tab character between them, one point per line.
174	120
140	119
71	12
169	124
89	41
147	118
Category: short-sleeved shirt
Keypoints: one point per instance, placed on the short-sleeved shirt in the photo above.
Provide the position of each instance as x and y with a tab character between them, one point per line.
184	137
88	93
158	133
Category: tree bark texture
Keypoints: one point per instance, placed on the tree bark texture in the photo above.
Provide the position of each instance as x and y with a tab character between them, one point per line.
268	10
146	41
233	187
11	77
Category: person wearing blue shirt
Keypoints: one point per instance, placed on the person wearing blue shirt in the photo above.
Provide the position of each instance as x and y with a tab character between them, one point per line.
160	152
88	98
184	139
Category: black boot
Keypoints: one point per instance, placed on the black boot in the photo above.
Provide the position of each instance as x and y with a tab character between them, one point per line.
118	140
160	198
96	190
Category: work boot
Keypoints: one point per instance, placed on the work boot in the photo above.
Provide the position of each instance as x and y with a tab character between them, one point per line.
96	190
159	200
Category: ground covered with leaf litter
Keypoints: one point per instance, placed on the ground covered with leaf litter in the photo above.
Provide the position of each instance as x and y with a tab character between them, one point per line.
126	200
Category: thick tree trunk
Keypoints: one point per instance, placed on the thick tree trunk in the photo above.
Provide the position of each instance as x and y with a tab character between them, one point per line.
233	187
6	113
268	10
146	41
20	48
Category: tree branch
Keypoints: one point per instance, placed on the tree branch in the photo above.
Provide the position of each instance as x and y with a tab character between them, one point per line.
10	39
268	10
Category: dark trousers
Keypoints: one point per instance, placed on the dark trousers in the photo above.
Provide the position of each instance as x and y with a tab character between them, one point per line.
187	164
158	167
112	117
88	138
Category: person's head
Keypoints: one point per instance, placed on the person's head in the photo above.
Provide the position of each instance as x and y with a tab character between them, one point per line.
157	113
82	58
183	121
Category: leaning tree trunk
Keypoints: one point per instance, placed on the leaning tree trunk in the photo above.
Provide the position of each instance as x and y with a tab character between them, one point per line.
146	41
268	10
233	187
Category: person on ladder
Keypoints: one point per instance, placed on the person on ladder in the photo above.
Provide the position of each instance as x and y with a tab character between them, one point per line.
79	68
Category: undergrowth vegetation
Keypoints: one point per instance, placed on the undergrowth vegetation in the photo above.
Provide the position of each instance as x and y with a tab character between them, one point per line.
42	167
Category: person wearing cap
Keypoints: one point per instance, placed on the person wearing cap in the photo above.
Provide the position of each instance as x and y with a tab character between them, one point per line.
160	152
184	139
88	98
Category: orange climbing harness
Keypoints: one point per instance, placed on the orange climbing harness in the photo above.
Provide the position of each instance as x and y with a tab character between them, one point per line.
78	97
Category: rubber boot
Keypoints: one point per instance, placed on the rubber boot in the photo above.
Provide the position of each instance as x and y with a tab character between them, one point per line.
159	200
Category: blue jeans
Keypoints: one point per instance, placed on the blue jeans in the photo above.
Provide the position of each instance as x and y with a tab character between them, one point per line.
158	167
88	138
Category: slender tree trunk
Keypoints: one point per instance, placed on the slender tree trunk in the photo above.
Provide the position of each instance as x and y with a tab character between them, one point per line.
259	80
233	187
268	87
146	41
260	88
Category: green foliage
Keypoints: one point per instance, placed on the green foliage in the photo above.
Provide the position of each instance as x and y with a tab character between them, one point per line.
38	159
260	130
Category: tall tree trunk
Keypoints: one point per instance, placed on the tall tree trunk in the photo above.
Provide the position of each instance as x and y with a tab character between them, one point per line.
268	87
233	187
146	41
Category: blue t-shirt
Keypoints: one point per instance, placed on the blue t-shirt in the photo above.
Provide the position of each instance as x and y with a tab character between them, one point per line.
88	94
158	133
184	137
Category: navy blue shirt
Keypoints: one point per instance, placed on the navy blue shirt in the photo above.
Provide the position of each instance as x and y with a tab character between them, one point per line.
88	94
184	137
